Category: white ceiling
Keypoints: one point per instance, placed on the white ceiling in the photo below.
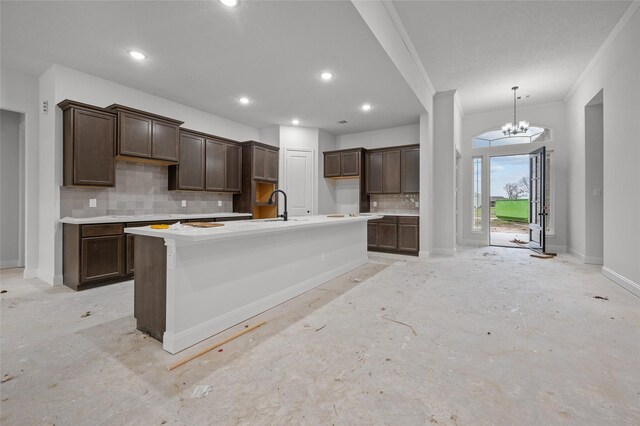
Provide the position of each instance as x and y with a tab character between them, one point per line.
483	48
205	55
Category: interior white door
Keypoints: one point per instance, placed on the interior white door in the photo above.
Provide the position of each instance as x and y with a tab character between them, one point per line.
299	181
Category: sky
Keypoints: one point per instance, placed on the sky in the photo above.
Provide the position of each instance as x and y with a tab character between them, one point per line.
505	170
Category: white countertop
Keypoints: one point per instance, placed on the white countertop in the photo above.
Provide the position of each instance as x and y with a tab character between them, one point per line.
395	214
246	228
148	218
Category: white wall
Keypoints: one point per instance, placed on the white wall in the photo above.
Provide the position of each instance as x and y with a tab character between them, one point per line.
326	187
60	83
270	135
10	191
20	94
548	115
347	196
617	72
403	135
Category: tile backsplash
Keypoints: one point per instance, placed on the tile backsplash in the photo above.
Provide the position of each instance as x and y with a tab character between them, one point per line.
395	203
140	189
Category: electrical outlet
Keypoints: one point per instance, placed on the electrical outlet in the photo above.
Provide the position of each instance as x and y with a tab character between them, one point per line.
375	204
219	203
93	202
184	203
417	203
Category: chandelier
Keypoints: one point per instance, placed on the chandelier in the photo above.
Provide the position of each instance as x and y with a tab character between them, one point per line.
513	128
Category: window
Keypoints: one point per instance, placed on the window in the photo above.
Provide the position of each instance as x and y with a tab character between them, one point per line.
497	138
477	193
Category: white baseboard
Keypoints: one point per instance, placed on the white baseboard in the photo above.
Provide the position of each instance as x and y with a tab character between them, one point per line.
575	253
6	264
444	251
52	280
29	273
471	243
175	342
557	249
622	281
424	254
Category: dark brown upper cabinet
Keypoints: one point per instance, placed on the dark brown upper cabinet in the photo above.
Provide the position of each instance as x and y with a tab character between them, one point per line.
145	137
374	173
410	170
393	170
189	174
223	166
265	163
343	163
89	139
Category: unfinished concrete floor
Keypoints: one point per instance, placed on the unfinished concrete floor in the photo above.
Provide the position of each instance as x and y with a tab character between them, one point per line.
490	336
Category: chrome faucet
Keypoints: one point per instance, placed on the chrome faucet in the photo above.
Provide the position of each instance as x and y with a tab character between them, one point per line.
284	215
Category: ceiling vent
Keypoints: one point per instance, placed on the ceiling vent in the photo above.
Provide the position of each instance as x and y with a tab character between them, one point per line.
342	122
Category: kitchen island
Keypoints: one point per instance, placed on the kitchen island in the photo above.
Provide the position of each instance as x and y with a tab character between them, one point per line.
192	283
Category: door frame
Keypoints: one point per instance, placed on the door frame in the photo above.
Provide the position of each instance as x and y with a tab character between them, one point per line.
533	227
314	175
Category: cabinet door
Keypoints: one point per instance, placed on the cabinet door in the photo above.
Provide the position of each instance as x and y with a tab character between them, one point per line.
130	260
271	166
408	237
372	235
214	165
410	170
388	236
93	148
165	141
259	162
191	168
233	168
350	164
102	257
391	172
374	173
332	165
135	135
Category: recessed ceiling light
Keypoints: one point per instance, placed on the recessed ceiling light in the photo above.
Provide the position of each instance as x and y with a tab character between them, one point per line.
244	100
137	55
229	3
295	121
366	107
326	76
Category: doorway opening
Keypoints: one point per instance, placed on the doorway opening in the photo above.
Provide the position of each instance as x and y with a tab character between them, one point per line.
509	201
594	180
12	189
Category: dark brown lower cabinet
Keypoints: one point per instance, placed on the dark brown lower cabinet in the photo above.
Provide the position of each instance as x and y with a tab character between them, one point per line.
102	257
394	234
130	258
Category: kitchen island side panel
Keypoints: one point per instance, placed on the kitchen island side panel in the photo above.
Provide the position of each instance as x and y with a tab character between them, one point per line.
213	285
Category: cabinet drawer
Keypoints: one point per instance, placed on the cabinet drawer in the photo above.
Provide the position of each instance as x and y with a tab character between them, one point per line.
386	219
408	220
102	230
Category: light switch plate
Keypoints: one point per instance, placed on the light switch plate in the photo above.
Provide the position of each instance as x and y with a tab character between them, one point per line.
184	203
375	204
219	203
93	202
417	203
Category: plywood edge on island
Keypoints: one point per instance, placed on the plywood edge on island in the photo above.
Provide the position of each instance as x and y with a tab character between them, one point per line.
215	282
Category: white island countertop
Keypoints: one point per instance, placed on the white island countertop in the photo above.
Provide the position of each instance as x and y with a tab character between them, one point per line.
394	214
236	229
149	217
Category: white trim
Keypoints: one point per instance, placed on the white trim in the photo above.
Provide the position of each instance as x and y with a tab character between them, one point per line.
576	254
444	252
28	274
622	281
556	249
52	280
13	263
590	260
175	342
424	254
404	35
622	22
